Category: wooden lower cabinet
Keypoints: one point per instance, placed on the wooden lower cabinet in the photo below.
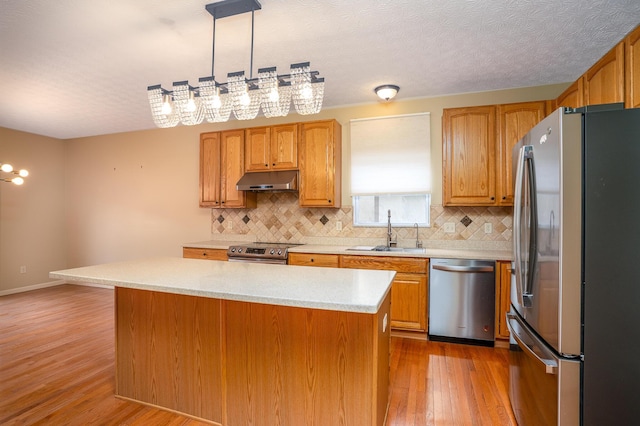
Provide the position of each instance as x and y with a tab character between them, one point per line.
207	254
503	297
408	290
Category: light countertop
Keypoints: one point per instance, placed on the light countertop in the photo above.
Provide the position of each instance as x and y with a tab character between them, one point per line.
349	290
453	253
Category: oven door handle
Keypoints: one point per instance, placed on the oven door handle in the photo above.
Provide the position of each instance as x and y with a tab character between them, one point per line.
549	363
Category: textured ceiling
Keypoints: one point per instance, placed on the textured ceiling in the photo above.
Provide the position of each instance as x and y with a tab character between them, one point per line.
72	68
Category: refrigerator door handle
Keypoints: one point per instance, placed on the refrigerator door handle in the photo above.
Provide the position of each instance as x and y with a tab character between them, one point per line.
527	296
517	222
533	346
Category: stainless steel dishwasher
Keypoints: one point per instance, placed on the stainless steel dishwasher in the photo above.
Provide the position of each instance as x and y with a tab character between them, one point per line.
462	301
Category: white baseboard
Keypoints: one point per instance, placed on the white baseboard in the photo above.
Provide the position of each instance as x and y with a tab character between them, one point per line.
48	284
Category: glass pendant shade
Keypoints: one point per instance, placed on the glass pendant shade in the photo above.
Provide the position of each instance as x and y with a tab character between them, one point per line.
162	109
217	107
307	91
276	96
245	100
189	105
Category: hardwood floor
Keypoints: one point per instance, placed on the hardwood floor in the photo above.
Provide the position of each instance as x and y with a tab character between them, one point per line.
57	368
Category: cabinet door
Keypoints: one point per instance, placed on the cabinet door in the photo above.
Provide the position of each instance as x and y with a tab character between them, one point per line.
257	149
632	69
469	143
572	97
409	302
209	170
514	121
604	81
232	169
284	147
319	160
503	301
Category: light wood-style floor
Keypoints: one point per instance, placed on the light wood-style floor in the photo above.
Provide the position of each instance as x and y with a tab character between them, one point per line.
57	368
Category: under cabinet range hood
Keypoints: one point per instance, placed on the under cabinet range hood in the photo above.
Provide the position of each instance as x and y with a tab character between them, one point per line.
269	181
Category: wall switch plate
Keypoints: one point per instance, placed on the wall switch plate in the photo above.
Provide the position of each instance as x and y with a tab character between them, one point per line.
338	226
488	228
449	227
23	269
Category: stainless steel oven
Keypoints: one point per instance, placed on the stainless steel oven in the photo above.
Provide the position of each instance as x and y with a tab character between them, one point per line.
270	253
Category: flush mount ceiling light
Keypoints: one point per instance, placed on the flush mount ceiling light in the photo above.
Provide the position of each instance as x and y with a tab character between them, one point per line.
387	91
244	97
8	168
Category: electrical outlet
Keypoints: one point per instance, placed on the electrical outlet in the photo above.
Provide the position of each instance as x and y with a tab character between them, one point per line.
230	225
23	269
488	228
338	226
449	227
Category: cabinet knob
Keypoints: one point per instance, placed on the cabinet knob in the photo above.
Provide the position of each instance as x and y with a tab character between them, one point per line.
312	259
329	200
493	198
273	164
504	198
204	254
266	165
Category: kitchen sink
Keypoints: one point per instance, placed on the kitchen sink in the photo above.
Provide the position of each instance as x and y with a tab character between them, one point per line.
389	249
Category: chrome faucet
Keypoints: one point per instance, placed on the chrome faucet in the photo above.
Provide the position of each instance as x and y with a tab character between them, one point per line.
418	242
390	243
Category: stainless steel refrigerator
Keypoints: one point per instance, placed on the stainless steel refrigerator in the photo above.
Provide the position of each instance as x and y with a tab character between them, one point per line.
575	297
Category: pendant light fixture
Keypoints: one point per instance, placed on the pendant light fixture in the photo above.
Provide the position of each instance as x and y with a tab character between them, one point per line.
243	96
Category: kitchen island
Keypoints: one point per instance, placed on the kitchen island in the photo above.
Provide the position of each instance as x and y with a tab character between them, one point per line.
243	343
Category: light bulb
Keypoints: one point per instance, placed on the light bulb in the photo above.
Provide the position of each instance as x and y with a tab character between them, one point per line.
274	96
23	173
245	100
17	180
7	168
166	106
306	91
216	102
191	105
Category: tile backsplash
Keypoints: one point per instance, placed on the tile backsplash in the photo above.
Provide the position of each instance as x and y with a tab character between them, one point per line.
279	218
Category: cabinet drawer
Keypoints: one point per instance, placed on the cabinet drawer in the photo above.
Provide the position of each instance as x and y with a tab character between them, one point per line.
399	264
308	259
202	253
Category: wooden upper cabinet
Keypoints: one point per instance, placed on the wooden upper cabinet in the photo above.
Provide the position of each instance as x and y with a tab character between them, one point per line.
604	81
572	97
221	166
632	69
284	147
271	148
256	149
320	164
469	142
514	121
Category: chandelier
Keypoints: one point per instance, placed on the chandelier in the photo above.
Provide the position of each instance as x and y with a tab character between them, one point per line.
20	174
215	101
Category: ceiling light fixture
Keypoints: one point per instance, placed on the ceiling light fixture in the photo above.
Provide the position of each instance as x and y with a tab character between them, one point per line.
19	179
244	97
387	92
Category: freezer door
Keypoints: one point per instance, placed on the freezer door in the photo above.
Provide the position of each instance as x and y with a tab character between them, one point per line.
544	389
